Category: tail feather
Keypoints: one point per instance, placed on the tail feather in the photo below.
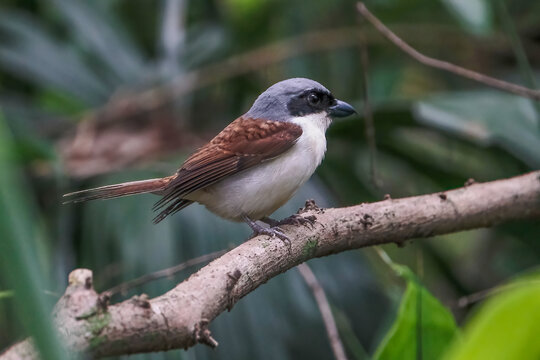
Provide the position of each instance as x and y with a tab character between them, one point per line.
171	209
117	190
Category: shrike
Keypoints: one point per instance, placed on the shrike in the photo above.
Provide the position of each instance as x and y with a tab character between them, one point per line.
254	165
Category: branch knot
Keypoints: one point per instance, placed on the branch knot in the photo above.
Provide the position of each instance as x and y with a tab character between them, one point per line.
203	335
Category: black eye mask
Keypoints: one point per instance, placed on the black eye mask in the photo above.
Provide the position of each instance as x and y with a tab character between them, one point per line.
310	102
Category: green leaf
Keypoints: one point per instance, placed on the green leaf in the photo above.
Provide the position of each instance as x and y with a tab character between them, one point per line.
475	16
18	260
506	327
423	328
487	117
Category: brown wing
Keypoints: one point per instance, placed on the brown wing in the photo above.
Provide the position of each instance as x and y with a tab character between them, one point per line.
244	143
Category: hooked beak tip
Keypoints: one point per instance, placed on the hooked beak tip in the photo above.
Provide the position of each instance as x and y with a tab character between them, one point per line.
341	109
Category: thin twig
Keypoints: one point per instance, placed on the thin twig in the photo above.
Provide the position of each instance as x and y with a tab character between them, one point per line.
517	45
326	312
124	287
444	65
368	113
519	51
467	300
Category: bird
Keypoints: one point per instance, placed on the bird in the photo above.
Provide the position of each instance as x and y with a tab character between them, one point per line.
253	166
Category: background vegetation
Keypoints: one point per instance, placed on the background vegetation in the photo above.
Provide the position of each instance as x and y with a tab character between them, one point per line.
96	92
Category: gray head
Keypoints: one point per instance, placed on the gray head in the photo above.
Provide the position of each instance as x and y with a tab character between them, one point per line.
297	97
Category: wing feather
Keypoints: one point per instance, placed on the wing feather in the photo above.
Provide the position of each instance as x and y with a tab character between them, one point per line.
246	142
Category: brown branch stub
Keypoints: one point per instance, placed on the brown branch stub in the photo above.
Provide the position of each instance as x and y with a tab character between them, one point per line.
141	301
180	317
202	334
312	206
445	65
103	301
80	277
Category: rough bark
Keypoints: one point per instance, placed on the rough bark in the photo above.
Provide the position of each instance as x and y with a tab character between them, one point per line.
180	317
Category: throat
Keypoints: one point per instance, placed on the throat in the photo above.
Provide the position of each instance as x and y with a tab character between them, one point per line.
319	121
311	146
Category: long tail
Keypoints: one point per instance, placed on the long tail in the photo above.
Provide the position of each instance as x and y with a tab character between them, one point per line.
117	190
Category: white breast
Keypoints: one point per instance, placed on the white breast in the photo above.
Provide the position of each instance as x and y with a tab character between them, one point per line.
259	191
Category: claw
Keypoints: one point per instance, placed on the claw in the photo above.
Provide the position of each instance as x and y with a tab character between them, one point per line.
273	231
295	220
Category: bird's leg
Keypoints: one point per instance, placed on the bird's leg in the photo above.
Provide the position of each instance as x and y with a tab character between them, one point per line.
272	231
294	219
270	221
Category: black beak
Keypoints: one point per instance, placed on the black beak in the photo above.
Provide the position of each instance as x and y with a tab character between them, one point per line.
341	109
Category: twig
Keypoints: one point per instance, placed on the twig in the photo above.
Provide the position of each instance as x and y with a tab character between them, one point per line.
368	113
351	341
326	312
124	287
467	300
517	45
519	51
444	65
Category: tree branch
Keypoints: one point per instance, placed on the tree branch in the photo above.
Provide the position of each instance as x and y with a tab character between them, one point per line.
180	317
445	65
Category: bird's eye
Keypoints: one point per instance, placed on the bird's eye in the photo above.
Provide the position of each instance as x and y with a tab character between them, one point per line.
313	99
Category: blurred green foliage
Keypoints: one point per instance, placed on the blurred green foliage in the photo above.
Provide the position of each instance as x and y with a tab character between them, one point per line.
17	256
506	327
423	328
62	59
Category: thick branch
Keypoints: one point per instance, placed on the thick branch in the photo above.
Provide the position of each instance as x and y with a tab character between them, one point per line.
180	317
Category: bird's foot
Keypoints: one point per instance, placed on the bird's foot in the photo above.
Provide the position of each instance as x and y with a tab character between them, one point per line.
295	220
272	231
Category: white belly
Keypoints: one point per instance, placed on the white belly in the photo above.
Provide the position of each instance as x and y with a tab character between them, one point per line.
260	191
